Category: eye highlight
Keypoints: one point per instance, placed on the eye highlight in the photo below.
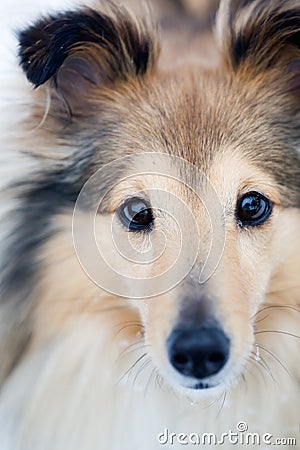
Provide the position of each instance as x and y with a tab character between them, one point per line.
253	209
136	214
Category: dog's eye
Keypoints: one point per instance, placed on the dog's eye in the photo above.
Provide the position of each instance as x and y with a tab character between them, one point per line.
253	209
136	214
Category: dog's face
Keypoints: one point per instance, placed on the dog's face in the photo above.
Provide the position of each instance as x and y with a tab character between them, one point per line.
189	161
199	334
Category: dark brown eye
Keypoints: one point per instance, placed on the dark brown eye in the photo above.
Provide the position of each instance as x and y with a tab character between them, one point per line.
136	214
253	209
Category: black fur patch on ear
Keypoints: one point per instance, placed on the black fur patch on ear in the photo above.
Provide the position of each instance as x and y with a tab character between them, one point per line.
128	46
258	32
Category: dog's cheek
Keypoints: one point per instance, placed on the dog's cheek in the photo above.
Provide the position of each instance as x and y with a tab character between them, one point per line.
255	258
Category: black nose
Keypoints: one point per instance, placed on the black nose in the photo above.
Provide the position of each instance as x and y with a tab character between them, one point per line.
198	353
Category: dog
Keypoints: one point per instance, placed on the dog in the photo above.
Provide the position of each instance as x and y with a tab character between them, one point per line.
150	236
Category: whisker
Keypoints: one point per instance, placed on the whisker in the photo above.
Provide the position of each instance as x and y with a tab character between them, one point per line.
244	382
149	381
223	403
214	402
264	365
258	369
140	370
158	380
279	332
275	357
132	366
262	319
132	347
250	365
274	306
128	324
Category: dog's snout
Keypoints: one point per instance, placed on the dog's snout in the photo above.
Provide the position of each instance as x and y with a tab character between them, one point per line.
198	353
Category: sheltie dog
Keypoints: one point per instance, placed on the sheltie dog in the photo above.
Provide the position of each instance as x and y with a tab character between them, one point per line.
150	232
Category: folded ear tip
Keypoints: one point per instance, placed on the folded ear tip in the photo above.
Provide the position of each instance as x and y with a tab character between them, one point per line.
39	55
257	32
44	47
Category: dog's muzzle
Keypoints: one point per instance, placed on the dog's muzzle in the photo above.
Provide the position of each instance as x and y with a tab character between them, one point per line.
198	353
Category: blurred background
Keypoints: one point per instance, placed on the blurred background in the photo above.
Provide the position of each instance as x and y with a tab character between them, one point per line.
15	15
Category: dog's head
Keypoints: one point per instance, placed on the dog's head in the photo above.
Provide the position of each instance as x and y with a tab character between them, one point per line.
185	163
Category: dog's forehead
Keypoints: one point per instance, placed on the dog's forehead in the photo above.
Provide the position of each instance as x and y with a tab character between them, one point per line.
204	116
195	114
201	117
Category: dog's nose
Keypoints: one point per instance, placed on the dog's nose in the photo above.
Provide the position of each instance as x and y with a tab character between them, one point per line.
198	353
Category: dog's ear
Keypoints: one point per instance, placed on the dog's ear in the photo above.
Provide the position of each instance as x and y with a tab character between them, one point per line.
76	52
258	35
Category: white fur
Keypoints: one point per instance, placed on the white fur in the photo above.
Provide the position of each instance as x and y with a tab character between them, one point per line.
70	395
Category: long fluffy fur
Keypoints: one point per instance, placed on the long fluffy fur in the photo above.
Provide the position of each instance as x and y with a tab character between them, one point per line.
80	368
